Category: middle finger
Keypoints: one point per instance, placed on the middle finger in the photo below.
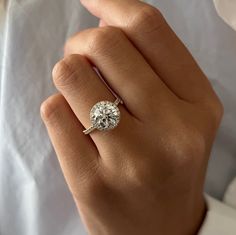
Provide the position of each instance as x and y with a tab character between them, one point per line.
123	67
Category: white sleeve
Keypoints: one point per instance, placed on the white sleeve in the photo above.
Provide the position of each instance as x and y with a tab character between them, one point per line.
226	9
220	219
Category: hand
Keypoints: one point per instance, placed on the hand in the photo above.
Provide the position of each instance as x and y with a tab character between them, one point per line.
146	176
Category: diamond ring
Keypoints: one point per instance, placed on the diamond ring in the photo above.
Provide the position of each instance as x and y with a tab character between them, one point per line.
104	116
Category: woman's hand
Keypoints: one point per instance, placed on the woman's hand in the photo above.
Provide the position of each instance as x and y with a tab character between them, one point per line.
147	175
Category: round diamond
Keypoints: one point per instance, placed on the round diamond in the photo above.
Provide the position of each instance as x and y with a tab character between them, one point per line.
105	115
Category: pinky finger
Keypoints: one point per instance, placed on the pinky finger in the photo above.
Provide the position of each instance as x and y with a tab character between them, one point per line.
76	152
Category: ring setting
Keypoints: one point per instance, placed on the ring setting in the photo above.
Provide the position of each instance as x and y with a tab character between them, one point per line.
104	116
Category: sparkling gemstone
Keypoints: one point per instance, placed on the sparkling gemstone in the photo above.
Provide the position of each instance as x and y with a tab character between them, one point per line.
105	115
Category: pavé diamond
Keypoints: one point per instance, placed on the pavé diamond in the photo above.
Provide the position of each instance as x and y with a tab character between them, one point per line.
105	115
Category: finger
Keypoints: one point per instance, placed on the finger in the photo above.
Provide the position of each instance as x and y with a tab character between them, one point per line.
123	67
76	152
102	23
82	88
148	30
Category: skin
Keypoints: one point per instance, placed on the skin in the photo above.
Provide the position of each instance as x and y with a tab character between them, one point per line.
146	176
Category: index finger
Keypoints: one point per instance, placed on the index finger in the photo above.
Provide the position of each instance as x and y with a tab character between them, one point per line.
148	30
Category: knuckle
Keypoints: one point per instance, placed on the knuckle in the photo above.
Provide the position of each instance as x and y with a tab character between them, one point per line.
148	18
65	71
194	146
216	110
187	146
104	38
89	180
62	73
68	47
95	189
219	110
49	108
138	175
138	172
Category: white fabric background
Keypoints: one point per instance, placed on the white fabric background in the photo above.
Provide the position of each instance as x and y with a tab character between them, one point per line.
34	199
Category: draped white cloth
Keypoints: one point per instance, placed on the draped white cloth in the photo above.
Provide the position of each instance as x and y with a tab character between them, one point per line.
34	198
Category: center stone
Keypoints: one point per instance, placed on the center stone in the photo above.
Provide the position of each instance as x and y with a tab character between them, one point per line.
105	115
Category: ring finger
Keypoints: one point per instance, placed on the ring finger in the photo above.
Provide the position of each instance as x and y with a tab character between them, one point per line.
82	88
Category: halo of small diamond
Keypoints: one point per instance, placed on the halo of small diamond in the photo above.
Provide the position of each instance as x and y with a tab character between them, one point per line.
105	115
